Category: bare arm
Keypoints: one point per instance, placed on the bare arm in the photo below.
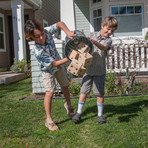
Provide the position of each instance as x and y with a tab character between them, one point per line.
60	62
99	45
69	33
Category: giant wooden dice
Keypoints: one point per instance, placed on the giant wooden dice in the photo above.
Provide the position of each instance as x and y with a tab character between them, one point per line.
76	68
83	48
85	59
74	55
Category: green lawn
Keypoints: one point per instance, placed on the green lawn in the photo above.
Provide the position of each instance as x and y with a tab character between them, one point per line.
22	122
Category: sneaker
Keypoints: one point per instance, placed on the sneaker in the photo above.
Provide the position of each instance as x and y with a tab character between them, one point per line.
76	118
51	126
69	110
101	119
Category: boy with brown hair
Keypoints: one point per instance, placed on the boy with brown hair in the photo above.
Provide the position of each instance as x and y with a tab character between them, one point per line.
50	64
96	72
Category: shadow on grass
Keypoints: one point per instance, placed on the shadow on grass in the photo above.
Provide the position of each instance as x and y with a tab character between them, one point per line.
123	110
62	121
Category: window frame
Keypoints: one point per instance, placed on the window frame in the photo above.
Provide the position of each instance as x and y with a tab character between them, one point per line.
92	12
131	14
4	34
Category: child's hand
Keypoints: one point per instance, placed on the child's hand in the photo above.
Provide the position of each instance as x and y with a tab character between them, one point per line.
71	34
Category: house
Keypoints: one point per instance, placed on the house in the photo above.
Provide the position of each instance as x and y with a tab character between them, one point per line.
130	50
13	15
133	25
88	14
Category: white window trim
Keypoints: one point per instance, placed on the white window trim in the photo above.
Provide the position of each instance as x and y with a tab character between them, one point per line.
93	6
122	37
92	18
4	49
45	22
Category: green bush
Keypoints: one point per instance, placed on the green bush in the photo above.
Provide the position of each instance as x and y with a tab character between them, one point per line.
146	36
139	88
19	66
74	88
110	86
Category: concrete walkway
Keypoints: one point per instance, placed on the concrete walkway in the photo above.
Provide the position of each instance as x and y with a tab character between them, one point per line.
11	77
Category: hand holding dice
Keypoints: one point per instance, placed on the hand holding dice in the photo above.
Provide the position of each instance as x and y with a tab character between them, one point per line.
80	60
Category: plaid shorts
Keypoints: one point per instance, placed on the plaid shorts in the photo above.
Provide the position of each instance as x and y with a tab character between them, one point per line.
95	82
49	80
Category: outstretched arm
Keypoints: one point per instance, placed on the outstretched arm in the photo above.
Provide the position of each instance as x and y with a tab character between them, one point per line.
70	34
99	45
60	62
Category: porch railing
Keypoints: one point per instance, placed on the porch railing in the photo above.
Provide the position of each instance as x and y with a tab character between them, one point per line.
133	56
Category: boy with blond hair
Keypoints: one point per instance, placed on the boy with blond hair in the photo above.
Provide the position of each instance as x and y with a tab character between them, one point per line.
96	72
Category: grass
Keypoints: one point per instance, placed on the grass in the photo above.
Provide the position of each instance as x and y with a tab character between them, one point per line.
22	122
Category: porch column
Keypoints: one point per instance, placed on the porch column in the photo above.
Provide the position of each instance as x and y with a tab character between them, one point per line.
18	29
67	15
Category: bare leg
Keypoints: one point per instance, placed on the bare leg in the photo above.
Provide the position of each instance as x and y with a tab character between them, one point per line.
66	93
100	99
82	98
47	105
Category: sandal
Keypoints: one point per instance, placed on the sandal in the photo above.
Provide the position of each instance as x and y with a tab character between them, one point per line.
51	126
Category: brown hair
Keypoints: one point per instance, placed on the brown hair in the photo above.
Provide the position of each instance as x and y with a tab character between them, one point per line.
110	21
30	26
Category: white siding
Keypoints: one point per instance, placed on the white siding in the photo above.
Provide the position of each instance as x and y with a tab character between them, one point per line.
37	80
82	16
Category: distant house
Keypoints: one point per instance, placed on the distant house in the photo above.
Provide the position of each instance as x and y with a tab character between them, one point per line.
13	15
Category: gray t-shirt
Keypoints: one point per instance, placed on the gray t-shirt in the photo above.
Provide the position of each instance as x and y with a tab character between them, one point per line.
98	66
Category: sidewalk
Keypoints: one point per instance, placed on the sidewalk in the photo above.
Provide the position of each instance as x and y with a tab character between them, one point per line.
10	77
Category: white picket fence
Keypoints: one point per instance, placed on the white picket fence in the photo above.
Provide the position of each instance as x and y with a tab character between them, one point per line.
133	56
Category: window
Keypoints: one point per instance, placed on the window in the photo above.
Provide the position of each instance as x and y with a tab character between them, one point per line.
129	19
95	1
97	19
2	33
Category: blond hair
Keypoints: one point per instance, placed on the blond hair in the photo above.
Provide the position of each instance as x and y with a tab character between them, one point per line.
110	22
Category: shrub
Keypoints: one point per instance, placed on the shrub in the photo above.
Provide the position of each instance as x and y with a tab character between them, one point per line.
139	88
110	86
19	66
74	88
146	36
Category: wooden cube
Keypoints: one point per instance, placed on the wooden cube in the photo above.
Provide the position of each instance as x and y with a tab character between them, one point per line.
83	48
73	55
85	59
82	71
76	68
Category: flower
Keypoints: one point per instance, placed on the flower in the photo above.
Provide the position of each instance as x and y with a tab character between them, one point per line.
71	82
